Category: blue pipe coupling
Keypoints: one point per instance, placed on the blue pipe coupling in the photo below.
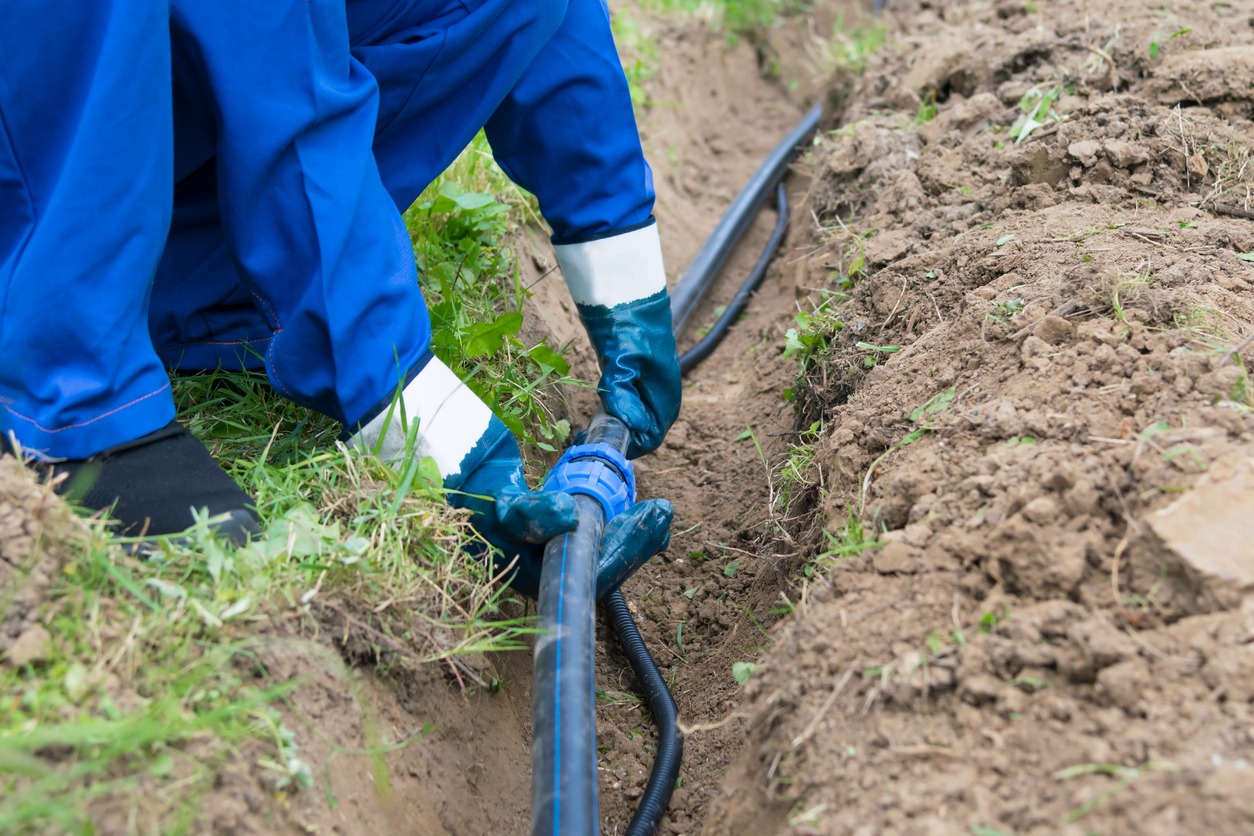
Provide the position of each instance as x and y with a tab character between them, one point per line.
596	470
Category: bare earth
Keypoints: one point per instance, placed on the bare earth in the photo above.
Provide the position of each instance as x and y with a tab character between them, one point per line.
1054	438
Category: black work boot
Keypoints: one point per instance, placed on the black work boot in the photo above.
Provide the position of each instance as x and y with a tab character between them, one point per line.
152	484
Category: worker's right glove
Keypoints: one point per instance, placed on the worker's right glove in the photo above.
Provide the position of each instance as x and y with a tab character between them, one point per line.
619	287
478	458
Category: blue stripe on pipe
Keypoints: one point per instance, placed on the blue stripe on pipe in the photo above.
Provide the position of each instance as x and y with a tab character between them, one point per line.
557	698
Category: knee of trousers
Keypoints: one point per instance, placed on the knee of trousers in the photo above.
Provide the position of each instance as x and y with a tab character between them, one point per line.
543	19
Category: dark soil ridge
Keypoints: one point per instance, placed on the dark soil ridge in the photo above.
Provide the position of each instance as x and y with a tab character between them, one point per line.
1037	649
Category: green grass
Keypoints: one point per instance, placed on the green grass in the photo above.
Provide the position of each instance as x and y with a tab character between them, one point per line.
638	52
735	17
460	229
850	541
1128	287
797	473
851	47
155	670
154	681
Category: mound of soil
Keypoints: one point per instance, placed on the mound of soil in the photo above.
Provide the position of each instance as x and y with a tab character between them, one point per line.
1038	396
34	528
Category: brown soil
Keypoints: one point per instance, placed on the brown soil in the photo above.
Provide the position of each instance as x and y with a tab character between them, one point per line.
34	526
1057	635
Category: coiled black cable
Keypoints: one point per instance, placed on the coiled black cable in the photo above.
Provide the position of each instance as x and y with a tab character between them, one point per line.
670	743
690	358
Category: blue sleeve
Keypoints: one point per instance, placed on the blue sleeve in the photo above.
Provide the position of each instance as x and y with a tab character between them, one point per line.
567	133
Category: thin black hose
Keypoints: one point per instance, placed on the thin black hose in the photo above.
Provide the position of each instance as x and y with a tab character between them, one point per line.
670	743
690	358
696	279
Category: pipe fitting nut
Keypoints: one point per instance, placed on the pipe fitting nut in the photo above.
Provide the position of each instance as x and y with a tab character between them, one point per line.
596	470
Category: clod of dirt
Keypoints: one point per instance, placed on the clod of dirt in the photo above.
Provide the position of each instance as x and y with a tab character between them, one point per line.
32	647
35	525
1211	528
1057	635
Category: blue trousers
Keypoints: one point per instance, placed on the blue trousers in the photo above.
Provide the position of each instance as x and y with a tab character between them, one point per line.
220	183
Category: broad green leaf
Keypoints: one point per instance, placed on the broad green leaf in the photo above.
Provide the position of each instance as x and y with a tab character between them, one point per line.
488	337
550	361
743	670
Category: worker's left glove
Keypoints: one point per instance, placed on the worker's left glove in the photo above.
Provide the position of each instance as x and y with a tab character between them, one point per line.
619	287
438	416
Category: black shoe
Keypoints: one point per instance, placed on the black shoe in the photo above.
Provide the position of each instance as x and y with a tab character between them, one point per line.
152	484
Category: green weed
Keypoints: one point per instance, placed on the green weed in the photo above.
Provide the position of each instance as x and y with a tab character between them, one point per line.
849	49
735	17
1128	287
927	109
1155	44
809	340
876	353
1003	312
1037	110
475	299
638	53
1127	775
850	541
796	473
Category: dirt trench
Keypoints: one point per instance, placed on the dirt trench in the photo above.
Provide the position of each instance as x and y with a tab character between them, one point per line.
709	602
1036	403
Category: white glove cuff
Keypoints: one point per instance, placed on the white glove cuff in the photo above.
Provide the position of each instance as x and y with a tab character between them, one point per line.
450	421
613	271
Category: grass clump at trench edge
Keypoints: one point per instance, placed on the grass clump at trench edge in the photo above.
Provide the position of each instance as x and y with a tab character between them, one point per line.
475	295
736	17
151	679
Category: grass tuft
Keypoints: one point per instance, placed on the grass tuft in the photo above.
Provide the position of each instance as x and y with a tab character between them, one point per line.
148	677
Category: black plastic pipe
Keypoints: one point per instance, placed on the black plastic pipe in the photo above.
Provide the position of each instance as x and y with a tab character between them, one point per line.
736	221
690	358
563	749
564	777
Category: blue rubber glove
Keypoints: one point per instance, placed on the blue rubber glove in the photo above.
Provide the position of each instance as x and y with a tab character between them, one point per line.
619	287
480	464
630	539
519	522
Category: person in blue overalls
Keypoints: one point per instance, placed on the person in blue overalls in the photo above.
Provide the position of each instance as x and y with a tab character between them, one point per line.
188	186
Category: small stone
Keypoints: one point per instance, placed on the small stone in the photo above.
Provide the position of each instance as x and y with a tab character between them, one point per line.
979	689
1125	682
1211	527
1038	163
1053	329
1034	346
1126	154
1102	643
1086	151
1012	701
897	558
32	647
1043	510
917	534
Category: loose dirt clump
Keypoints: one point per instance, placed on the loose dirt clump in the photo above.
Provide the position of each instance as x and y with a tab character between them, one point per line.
1038	398
34	527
